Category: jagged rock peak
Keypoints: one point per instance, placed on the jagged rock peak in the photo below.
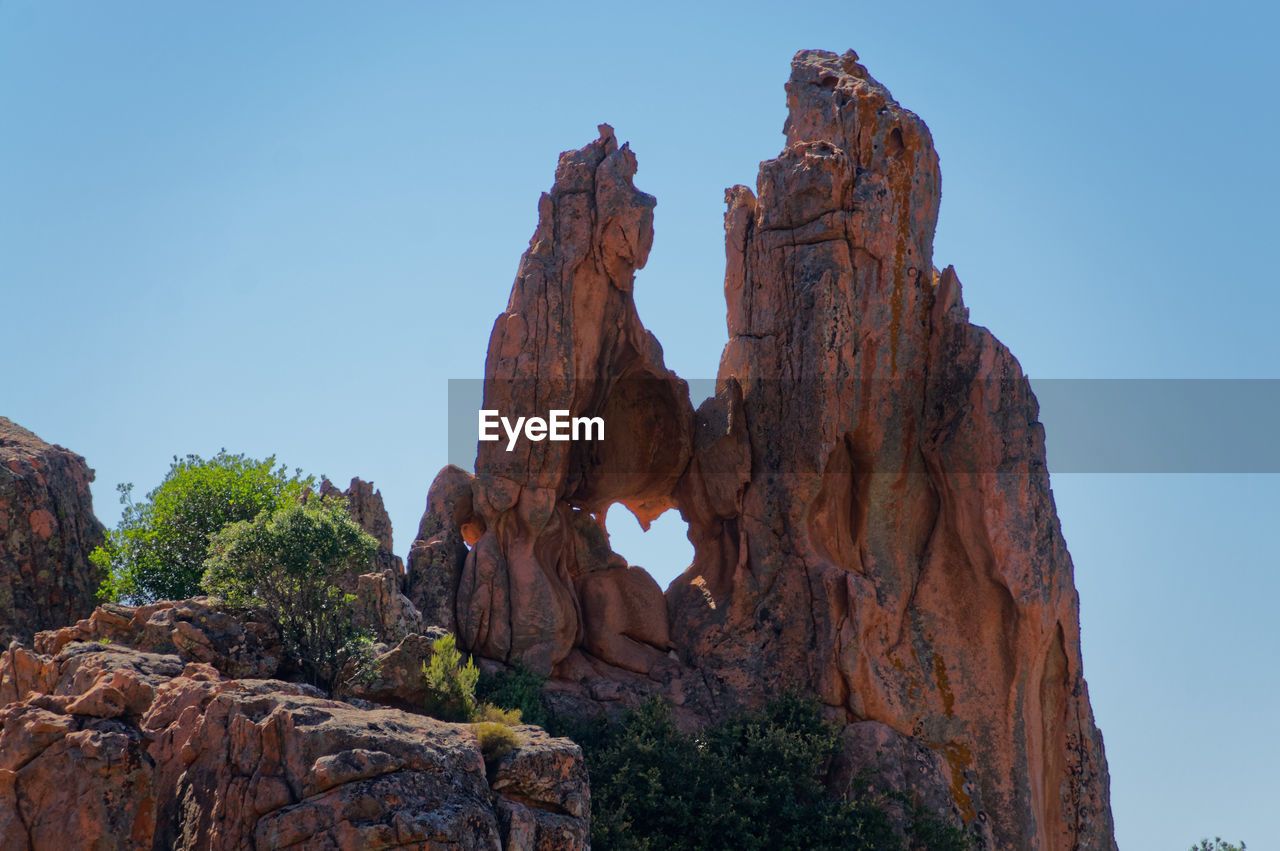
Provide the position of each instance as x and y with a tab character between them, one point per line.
866	493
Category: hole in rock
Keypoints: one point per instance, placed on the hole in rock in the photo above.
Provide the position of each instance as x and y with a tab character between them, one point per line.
894	144
664	551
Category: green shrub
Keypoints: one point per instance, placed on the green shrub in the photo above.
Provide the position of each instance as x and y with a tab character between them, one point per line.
517	689
496	740
158	550
751	783
1218	844
291	562
498	715
927	832
451	683
754	782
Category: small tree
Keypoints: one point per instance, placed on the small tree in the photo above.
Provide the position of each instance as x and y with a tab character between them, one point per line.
451	682
291	562
1218	844
157	551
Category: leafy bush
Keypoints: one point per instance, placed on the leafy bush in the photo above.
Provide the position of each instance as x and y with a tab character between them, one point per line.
927	832
451	683
159	548
754	782
291	562
496	740
1218	844
518	689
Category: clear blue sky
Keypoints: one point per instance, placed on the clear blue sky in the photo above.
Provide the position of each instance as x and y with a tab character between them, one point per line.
280	228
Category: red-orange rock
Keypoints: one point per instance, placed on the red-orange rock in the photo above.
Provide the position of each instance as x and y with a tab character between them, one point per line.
200	629
47	530
624	618
569	340
899	555
113	747
440	550
380	605
866	493
367	509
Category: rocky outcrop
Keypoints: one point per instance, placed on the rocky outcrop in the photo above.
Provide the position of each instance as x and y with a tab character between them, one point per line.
367	509
380	606
394	676
202	629
570	340
107	745
47	530
866	492
447	531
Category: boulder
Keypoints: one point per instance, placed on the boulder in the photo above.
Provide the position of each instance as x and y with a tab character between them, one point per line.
201	629
104	745
47	530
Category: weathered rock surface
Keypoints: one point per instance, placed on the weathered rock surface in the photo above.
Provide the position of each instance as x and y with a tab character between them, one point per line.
380	607
47	530
439	553
105	745
201	629
394	676
866	493
367	509
570	340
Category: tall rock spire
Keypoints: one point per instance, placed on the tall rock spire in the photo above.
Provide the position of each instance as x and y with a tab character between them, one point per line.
866	493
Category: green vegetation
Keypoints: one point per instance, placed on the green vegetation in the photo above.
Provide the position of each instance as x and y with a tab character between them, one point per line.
158	550
755	782
750	783
291	562
1218	844
451	682
496	740
520	689
498	715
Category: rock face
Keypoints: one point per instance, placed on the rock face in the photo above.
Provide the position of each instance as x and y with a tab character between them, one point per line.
367	509
47	530
104	744
381	606
571	340
866	492
439	552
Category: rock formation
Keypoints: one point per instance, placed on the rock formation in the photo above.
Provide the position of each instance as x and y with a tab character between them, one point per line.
161	726
866	492
158	727
571	340
381	606
47	530
367	509
439	552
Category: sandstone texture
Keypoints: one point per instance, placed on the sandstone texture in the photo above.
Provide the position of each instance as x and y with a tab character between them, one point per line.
131	730
47	530
866	492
